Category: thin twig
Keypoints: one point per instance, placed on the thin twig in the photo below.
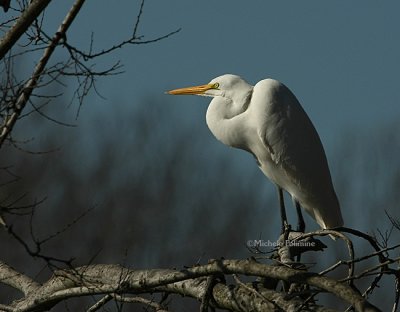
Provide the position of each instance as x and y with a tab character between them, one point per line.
152	304
33	81
100	303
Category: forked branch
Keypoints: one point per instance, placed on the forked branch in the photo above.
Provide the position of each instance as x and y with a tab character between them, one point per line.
115	280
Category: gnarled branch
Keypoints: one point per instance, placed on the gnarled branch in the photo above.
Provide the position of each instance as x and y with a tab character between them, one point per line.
114	279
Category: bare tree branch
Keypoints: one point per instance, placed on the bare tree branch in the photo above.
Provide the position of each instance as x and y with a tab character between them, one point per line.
100	303
33	81
114	279
19	281
35	8
150	303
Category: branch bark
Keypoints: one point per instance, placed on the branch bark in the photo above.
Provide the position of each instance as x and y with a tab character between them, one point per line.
13	278
33	81
35	8
114	279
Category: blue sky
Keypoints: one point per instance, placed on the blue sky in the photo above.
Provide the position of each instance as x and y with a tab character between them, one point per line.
340	58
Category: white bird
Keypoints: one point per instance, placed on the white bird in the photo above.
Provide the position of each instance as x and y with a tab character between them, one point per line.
268	121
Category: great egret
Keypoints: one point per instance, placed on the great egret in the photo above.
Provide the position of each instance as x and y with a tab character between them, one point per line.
268	121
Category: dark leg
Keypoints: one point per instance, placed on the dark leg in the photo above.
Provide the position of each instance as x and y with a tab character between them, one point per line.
282	209
301	226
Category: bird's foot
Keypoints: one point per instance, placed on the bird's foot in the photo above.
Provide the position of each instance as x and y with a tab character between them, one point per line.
286	229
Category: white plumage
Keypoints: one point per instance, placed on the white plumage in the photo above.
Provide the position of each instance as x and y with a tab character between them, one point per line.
268	121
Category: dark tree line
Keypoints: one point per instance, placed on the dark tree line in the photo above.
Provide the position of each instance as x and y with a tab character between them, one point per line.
88	214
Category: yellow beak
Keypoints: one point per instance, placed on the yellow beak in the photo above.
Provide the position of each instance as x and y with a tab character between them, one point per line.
192	90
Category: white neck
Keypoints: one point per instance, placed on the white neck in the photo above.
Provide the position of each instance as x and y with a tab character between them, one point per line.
224	118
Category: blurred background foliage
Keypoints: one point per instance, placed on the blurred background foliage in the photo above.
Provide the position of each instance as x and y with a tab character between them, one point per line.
152	185
155	194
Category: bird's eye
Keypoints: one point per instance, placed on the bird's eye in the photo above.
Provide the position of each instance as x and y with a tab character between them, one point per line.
216	85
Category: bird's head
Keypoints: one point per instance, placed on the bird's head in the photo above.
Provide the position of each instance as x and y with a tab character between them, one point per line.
228	86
